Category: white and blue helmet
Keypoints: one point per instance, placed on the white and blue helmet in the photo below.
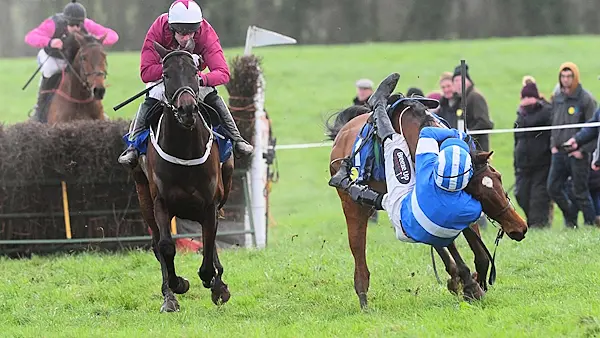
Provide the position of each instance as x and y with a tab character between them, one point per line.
454	168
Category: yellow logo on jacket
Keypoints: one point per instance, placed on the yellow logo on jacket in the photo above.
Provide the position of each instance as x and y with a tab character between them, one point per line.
459	112
571	110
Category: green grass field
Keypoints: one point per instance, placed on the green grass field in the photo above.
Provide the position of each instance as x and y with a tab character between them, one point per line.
301	285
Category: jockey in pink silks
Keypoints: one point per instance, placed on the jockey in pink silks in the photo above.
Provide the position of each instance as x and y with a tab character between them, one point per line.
49	36
173	30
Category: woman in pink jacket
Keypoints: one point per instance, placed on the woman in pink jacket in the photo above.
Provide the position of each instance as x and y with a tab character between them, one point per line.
49	36
173	30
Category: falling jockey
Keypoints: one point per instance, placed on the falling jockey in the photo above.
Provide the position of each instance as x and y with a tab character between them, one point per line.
425	203
173	30
49	36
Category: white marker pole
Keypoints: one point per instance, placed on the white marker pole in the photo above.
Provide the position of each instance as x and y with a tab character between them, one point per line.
256	37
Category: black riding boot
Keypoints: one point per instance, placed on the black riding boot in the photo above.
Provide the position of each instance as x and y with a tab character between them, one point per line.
240	145
378	102
39	111
364	195
129	157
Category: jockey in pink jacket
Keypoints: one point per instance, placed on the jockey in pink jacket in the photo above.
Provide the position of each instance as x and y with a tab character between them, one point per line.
49	36
173	30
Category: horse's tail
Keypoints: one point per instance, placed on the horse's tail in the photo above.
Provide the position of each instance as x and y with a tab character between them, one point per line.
342	117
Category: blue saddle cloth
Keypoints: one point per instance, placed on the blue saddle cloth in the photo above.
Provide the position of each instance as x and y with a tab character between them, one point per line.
223	143
368	161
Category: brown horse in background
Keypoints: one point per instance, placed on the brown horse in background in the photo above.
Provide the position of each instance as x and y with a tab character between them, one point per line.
81	88
493	198
181	176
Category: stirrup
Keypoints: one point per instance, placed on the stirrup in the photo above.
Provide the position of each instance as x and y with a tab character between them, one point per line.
341	179
129	157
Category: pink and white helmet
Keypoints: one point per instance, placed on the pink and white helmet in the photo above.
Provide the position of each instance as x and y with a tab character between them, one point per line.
185	16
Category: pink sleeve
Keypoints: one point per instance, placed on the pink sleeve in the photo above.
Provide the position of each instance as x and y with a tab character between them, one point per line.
99	31
215	61
40	36
150	65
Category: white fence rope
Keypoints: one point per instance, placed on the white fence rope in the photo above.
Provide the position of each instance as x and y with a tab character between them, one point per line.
471	132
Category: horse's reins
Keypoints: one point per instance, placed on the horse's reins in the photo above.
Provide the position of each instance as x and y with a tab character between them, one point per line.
174	100
85	74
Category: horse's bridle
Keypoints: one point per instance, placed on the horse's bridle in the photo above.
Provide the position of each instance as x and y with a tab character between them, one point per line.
85	74
172	101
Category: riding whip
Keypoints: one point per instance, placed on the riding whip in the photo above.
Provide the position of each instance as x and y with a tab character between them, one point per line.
463	98
34	74
129	100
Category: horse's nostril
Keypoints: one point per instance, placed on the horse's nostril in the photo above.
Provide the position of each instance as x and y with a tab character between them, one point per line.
99	92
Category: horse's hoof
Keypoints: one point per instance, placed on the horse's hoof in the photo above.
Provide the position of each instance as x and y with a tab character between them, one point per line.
182	287
362	299
482	283
473	292
453	284
170	305
220	293
209	284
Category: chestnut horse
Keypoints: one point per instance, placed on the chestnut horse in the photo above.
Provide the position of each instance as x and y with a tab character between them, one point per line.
181	176
81	88
493	198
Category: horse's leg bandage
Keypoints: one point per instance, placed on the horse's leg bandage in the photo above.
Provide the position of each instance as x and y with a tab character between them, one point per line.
400	179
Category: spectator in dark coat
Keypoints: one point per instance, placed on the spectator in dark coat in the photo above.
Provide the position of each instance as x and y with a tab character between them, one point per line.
478	116
585	136
450	100
532	156
571	105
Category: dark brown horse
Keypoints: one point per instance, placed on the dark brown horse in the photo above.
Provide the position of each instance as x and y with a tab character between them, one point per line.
81	89
181	176
485	186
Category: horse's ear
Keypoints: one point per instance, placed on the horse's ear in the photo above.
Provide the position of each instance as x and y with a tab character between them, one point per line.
483	157
79	38
190	45
162	51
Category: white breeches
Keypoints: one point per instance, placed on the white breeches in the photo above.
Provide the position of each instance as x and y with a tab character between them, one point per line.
400	180
51	65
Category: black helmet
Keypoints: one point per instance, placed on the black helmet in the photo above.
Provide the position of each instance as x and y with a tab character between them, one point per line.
74	13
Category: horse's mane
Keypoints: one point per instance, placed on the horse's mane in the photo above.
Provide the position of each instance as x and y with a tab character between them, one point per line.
341	118
72	45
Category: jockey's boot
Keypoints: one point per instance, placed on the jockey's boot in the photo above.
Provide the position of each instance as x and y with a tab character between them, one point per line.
39	110
378	101
240	146
129	158
364	195
341	179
